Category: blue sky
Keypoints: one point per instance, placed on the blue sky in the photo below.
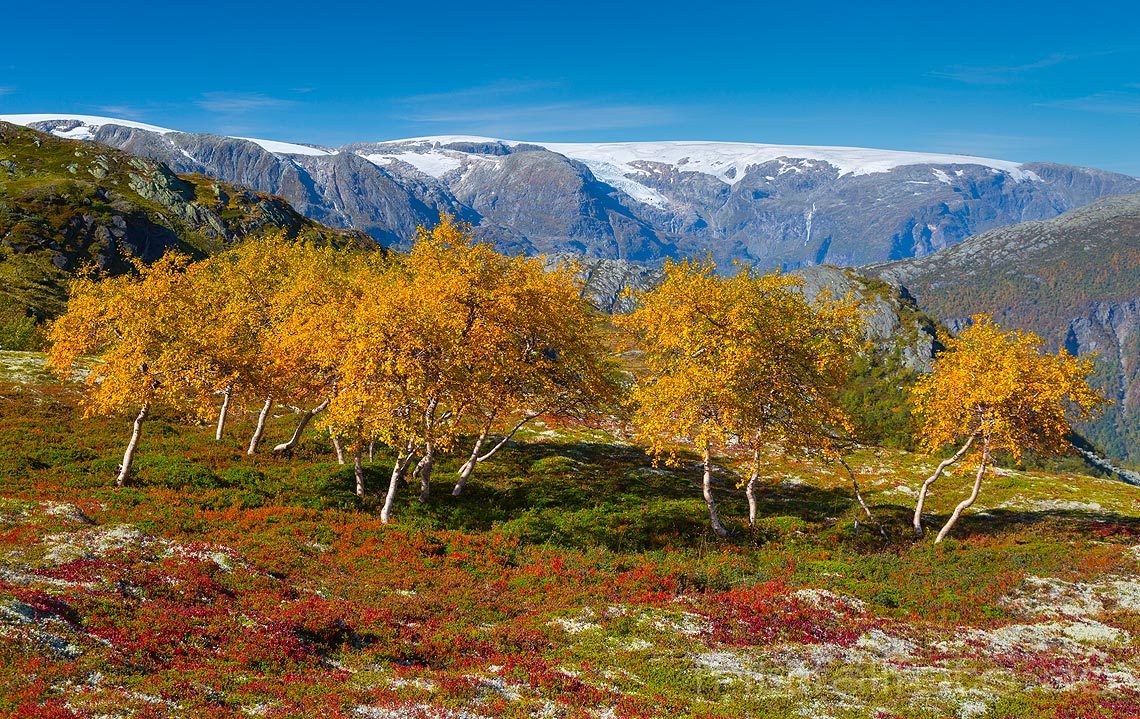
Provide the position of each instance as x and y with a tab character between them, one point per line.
1008	79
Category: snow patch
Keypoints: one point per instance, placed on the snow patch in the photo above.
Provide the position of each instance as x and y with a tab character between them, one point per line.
719	158
616	162
88	123
435	164
287	148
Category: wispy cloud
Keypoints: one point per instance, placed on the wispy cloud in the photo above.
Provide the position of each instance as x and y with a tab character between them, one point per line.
987	144
1113	102
521	108
7	90
498	90
237	103
1005	74
554	117
124	112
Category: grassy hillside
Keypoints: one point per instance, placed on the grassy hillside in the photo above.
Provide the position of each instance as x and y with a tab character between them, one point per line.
67	204
573	580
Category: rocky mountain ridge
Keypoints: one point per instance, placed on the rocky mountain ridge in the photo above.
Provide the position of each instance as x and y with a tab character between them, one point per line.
768	205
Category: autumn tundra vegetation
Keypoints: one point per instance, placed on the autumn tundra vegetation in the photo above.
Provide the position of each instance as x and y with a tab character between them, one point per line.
437	484
453	340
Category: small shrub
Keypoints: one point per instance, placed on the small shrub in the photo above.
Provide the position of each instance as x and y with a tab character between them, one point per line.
176	473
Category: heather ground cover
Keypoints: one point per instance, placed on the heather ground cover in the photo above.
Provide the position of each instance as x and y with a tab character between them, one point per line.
572	579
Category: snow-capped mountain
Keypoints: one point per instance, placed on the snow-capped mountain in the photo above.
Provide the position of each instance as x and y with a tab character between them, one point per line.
766	204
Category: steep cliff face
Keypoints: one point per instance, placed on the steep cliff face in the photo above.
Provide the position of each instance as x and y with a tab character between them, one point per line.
1075	280
772	206
66	204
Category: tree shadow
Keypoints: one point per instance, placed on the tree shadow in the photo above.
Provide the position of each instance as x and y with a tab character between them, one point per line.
585	493
999	521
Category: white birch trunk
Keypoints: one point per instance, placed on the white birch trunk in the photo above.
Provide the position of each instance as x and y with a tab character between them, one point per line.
227	393
937	473
965	504
859	497
306	417
260	428
398	469
358	472
469	466
706	488
129	454
423	470
339	449
750	488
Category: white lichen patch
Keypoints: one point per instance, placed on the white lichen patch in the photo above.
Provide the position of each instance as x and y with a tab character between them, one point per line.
16	576
94	543
426	685
585	620
67	511
1050	505
224	559
726	665
884	646
636	644
1068	638
24	367
414	711
683	623
23	624
497	687
830	601
1049	597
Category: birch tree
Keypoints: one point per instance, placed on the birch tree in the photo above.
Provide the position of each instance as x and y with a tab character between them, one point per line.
545	357
298	349
737	363
144	333
368	338
235	291
993	390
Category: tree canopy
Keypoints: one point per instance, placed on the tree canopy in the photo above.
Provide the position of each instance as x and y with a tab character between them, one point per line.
997	390
739	362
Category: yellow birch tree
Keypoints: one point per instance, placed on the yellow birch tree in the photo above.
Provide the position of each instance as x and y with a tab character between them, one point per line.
1001	390
142	330
737	362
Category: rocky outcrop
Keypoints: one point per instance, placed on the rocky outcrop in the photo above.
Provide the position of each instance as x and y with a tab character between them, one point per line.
66	204
891	320
609	285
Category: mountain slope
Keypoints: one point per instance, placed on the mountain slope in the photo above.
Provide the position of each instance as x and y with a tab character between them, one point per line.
65	204
1074	279
770	205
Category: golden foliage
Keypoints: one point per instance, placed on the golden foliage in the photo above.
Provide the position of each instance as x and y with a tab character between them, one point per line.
1003	387
457	332
744	360
145	331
